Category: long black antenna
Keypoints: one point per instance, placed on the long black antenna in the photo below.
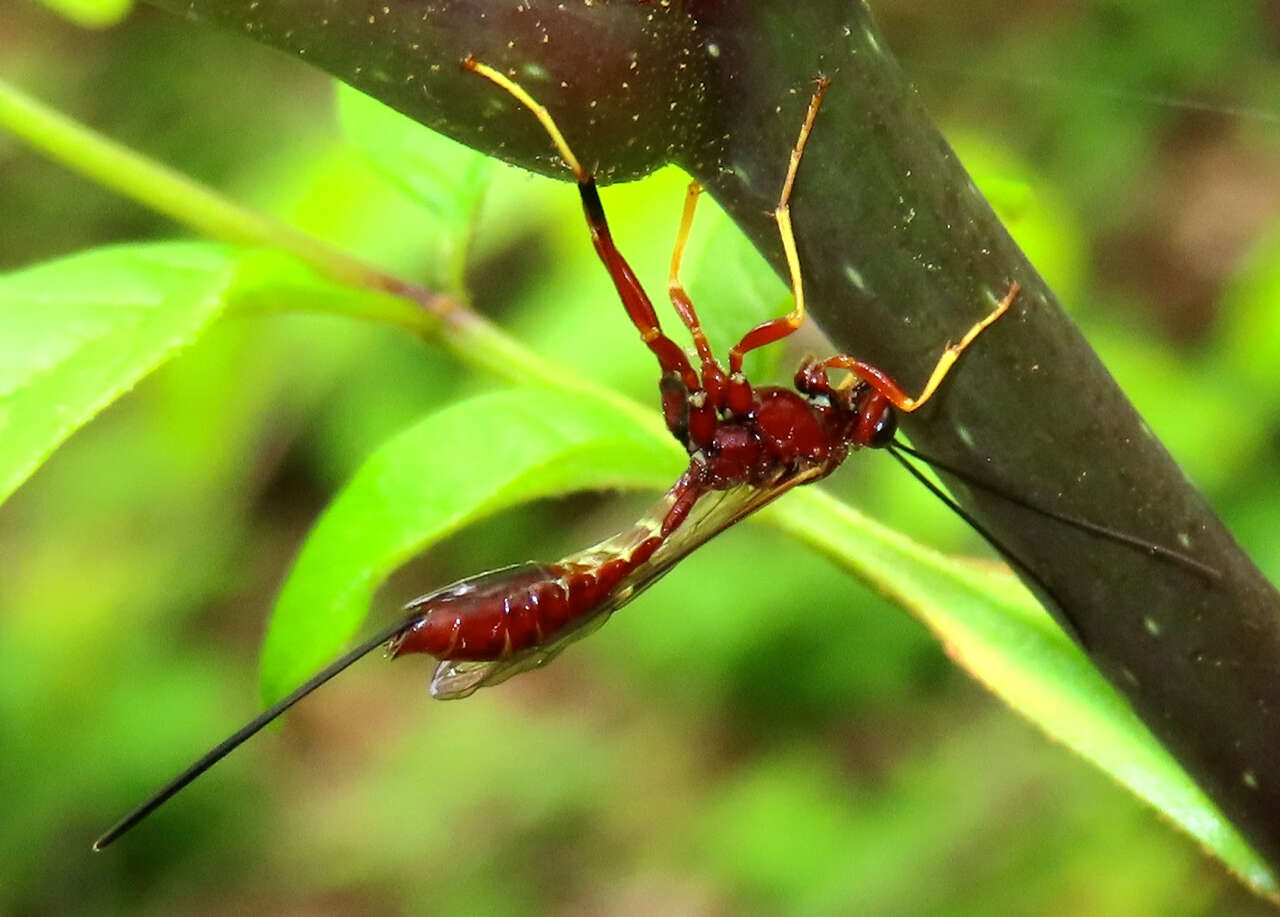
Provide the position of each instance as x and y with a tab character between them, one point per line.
1141	544
1005	552
897	450
246	732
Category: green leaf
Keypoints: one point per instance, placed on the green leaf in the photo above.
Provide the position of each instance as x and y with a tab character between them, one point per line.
275	281
461	464
446	176
993	627
92	14
77	333
1250	321
449	179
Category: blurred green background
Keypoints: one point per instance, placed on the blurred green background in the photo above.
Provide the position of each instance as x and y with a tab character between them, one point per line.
744	738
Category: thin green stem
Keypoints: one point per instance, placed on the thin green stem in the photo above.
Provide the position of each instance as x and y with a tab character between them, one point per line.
486	347
471	337
166	191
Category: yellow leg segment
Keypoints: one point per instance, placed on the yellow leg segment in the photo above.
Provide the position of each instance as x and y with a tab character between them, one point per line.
884	384
539	111
953	351
778	328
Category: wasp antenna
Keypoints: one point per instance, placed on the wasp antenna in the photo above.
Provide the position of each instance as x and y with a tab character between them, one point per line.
1199	567
1067	624
244	733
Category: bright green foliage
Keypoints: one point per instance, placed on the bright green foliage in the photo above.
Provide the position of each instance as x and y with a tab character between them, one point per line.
444	176
1252	327
1001	635
78	333
93	14
448	179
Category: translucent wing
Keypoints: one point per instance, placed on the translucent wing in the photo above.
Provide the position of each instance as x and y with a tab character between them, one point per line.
712	513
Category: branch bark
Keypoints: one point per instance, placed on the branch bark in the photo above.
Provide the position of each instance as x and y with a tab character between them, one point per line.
901	254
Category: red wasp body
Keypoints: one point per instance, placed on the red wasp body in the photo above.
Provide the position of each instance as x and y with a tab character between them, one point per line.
747	446
488	627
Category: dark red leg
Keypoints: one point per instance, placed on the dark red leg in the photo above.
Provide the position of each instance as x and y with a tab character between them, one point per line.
670	356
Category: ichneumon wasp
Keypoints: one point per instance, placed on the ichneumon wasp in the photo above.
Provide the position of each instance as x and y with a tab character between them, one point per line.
747	446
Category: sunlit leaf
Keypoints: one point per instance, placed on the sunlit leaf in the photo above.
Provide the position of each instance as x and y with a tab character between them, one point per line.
461	464
441	173
92	14
1250	324
77	333
991	626
448	178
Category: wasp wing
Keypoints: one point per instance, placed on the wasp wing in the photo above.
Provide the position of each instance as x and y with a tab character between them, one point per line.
712	513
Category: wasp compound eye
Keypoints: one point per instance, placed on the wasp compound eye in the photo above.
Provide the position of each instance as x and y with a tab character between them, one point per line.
886	426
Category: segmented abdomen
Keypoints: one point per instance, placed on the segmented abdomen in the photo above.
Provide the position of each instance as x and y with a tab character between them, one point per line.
495	614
